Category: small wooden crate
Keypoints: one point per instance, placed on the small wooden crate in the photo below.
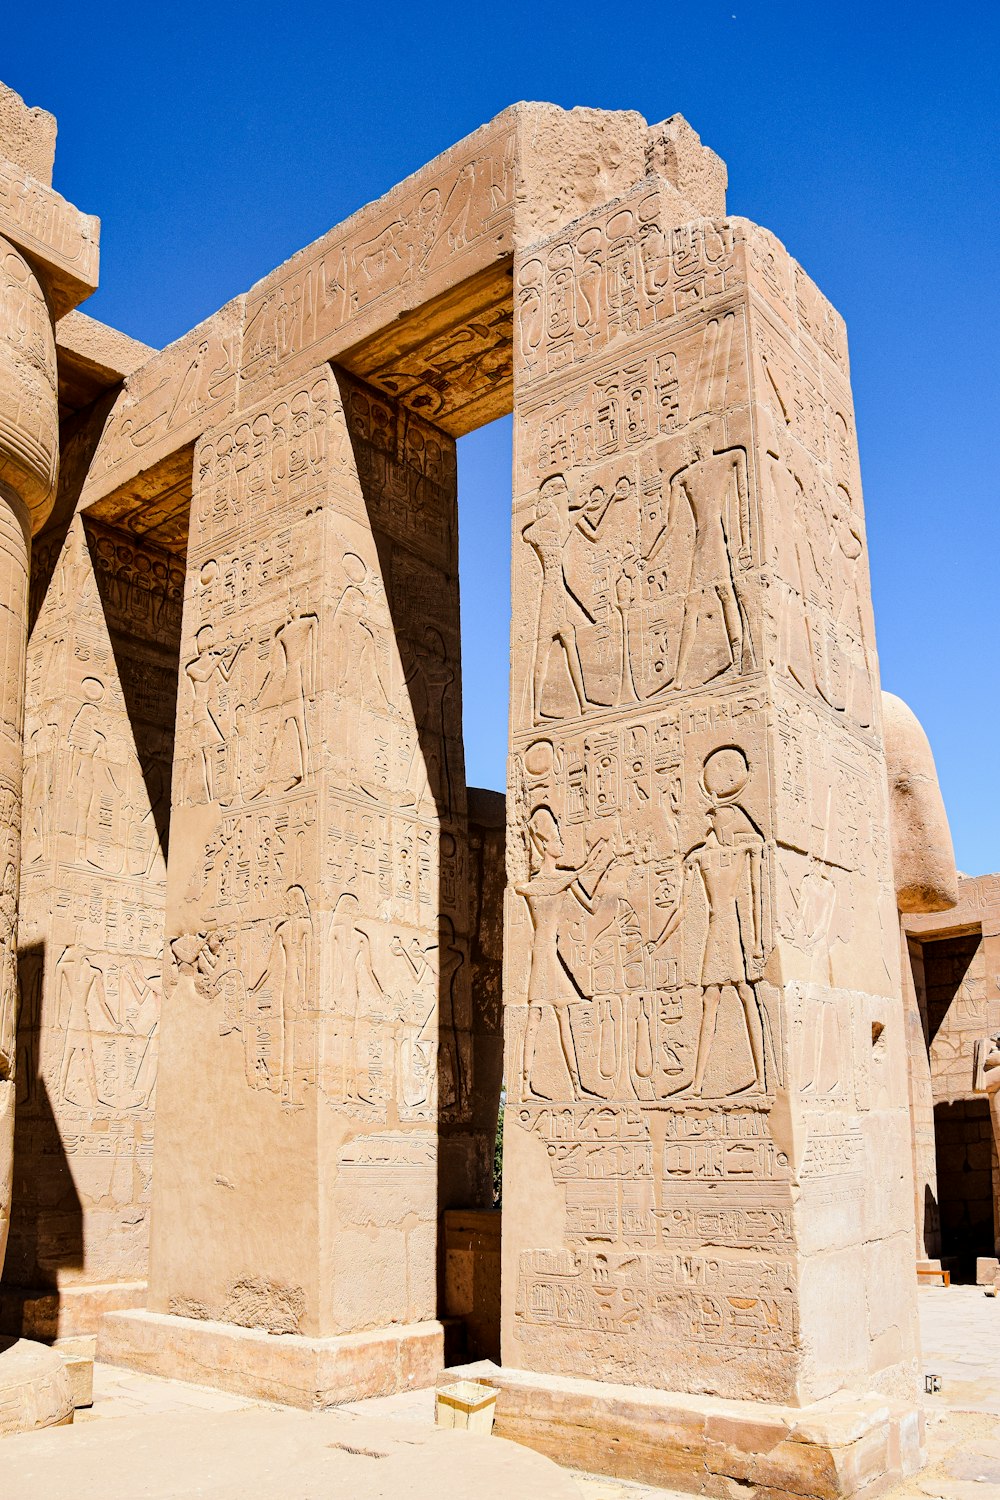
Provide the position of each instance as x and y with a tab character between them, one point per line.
467	1404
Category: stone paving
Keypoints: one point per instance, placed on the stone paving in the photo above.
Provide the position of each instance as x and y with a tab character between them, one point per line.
961	1337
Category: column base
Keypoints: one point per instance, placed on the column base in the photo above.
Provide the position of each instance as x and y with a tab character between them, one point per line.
704	1444
34	1388
49	1313
285	1367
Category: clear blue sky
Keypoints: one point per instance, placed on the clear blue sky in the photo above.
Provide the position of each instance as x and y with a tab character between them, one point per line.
216	139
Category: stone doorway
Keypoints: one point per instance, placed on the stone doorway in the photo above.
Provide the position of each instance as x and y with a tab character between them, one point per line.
954	970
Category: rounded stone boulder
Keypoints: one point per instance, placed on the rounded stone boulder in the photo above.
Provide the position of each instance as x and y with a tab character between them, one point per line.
34	1387
923	858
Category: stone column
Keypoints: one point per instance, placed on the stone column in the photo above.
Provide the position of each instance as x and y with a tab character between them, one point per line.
316	1019
35	1384
29	459
707	1178
48	264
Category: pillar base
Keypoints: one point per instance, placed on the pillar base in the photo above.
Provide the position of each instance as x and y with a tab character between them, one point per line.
34	1388
704	1444
50	1313
285	1367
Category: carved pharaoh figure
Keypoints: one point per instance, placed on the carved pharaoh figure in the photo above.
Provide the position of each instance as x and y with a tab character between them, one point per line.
550	982
728	865
713	486
557	519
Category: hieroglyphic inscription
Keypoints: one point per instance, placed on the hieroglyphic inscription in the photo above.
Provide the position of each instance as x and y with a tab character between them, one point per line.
696	813
353	281
319	906
102	681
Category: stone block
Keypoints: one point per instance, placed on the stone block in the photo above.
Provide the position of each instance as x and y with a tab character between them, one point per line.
288	1368
78	1356
35	1388
987	1269
703	1444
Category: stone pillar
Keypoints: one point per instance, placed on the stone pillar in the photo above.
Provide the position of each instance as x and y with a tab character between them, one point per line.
48	263
34	1386
101	701
29	458
707	1177
317	1021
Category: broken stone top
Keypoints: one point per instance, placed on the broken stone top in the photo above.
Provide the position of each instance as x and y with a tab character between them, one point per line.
60	242
27	136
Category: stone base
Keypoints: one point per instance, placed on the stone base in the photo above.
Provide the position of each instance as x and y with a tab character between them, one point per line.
705	1444
283	1367
78	1356
34	1388
49	1313
987	1270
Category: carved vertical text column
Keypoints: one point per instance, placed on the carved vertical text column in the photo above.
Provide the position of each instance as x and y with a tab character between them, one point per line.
29	456
706	1140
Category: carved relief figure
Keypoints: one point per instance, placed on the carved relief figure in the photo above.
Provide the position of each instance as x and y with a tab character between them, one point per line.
356	666
86	740
785	532
728	866
207	733
286	973
429	678
714	488
556	520
290	686
357	995
144	1024
849	680
549	979
79	983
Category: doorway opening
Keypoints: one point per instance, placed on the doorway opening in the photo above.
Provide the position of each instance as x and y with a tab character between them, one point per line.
955	1018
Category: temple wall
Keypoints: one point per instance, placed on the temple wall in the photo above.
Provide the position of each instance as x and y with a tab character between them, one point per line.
101	690
955	971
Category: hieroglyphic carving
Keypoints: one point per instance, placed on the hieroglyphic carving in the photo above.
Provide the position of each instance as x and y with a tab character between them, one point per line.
29	461
346	284
319	911
170	401
54	233
102	678
663	921
697	827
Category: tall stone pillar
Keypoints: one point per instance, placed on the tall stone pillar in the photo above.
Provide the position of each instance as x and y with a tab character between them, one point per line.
48	263
34	1384
316	1018
29	459
707	1177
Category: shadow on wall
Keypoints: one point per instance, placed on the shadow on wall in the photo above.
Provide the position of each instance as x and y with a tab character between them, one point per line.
143	618
407	474
46	1229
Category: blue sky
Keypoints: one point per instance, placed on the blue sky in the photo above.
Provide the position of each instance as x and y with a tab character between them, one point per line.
214	140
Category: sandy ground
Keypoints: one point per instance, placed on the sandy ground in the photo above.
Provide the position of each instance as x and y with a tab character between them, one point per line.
151	1439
